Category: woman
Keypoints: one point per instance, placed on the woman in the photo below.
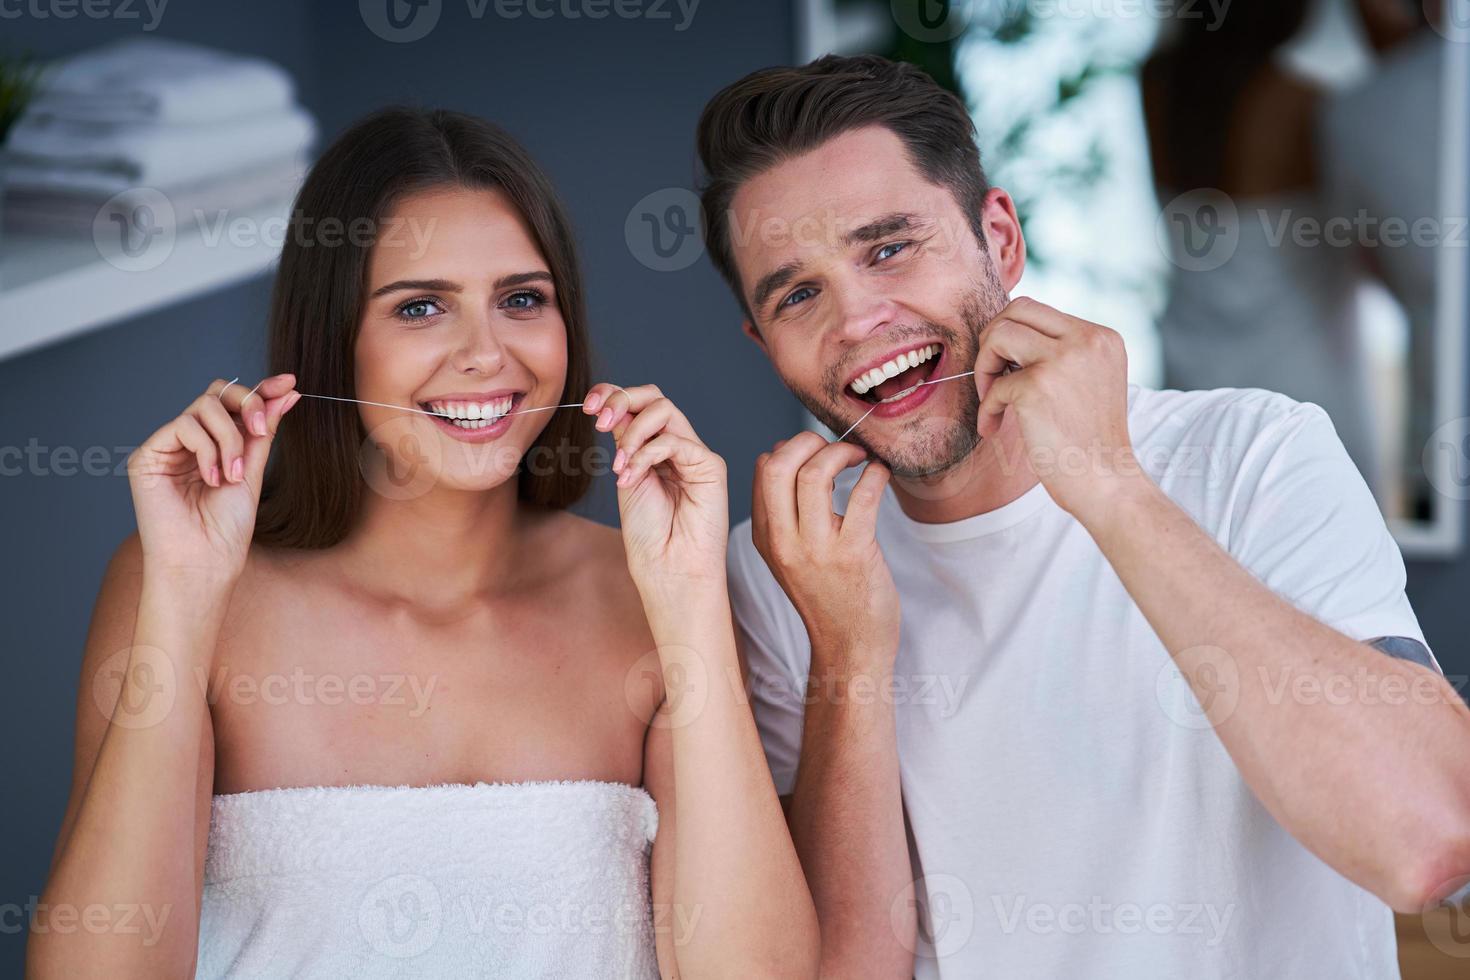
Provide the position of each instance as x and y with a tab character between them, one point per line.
1227	114
430	722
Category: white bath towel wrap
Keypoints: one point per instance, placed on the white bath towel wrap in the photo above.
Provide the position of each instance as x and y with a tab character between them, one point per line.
536	880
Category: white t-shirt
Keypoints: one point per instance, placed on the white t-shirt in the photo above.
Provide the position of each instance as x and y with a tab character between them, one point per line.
1071	813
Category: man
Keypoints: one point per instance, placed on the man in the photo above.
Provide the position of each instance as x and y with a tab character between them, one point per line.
969	685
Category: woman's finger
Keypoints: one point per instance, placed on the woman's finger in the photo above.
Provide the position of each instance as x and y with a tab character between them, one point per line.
623	401
192	437
225	431
259	448
250	403
667	448
640	428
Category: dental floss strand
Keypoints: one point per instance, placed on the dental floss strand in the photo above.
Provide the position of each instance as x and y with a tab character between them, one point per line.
401	408
437	415
902	394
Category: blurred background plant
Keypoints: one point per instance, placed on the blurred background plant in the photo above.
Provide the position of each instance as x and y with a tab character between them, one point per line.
20	77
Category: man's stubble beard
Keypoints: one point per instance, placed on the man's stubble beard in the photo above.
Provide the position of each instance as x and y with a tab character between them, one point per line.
928	444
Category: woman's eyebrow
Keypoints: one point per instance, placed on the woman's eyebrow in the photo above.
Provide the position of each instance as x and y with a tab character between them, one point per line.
434	285
446	286
521	278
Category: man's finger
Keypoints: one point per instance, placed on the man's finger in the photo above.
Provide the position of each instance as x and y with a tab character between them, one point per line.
814	484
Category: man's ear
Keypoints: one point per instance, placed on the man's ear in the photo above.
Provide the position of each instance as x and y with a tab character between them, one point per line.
749	329
1003	237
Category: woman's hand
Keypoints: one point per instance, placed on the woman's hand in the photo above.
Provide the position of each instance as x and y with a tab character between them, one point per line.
672	493
196	481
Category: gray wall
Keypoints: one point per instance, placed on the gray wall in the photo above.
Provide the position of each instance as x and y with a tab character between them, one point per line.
608	107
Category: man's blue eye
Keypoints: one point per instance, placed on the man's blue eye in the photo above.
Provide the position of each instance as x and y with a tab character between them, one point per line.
895	247
797	296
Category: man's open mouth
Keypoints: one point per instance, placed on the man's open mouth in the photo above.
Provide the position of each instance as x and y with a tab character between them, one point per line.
897	376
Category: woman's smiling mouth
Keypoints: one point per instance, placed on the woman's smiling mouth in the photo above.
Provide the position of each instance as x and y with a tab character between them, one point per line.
474	417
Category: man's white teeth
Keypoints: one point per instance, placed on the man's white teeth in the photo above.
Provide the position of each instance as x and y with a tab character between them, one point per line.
473	415
864	383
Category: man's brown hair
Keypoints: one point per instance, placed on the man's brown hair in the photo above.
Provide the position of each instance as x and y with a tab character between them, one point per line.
776	113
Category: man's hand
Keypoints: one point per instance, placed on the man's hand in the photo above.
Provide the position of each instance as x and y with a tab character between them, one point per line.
828	565
1069	396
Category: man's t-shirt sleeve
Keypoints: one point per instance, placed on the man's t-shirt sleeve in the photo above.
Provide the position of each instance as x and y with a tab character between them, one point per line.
774	644
1305	524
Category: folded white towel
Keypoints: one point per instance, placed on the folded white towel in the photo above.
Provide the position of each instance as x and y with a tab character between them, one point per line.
533	880
49	152
151	79
48	208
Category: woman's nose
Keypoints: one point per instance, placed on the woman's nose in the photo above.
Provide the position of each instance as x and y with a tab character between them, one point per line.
480	351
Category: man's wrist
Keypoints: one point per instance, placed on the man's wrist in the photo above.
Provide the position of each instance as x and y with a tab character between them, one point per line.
1115	501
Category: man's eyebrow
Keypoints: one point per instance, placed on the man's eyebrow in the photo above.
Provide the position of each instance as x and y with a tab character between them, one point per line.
772	281
881	228
446	286
874	230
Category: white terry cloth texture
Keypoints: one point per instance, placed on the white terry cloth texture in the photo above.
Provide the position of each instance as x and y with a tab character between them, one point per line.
35	203
536	880
154	80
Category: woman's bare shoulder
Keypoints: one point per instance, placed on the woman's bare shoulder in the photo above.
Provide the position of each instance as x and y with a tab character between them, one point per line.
587	558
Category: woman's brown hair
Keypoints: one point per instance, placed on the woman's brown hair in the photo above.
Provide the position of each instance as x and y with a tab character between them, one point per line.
313	488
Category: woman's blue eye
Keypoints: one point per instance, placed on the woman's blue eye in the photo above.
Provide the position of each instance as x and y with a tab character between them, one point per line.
418	309
526	299
892	249
797	296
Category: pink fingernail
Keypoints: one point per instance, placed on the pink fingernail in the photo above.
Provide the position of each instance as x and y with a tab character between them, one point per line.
618	461
257	423
605	419
237	470
212	477
594	402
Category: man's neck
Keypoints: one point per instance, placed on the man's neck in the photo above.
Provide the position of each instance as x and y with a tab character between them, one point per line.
995	473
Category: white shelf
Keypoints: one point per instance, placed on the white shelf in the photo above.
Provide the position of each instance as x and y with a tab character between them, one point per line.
57	286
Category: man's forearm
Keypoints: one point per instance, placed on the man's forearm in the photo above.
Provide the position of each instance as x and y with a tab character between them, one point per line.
847	822
1376	785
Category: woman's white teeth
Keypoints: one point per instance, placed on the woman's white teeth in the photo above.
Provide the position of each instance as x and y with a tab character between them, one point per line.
890	369
473	415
